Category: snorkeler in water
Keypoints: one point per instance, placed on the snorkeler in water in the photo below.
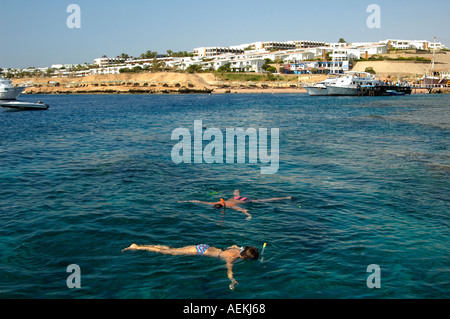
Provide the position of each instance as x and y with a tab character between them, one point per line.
236	200
229	255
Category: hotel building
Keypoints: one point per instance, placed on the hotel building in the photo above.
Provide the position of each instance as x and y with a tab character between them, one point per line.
257	47
104	60
213	51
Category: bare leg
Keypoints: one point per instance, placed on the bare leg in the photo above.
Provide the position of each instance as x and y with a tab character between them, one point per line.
156	248
245	211
188	250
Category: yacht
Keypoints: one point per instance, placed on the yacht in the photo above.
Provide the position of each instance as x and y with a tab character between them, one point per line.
8	91
353	83
320	88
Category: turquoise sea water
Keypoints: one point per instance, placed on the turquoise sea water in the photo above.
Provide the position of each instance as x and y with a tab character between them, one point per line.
93	174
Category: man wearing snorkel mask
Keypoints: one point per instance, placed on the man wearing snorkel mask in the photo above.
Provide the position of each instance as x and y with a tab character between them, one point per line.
234	201
229	255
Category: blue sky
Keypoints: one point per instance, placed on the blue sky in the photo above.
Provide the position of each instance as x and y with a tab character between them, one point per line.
34	32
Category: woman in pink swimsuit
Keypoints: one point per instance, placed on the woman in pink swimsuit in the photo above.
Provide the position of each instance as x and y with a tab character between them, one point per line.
236	200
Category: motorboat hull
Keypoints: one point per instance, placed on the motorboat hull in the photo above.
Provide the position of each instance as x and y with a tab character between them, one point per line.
24	106
316	90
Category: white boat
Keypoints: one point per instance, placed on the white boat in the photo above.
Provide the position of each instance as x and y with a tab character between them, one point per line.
8	91
320	88
24	106
352	82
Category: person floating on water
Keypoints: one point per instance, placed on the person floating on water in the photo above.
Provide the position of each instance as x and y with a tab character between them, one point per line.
229	255
236	200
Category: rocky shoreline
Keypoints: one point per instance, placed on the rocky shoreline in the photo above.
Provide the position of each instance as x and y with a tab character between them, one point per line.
151	83
114	90
168	83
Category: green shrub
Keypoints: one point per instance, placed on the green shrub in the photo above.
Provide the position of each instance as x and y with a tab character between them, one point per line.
370	70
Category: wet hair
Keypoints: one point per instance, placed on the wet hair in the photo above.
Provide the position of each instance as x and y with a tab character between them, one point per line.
218	206
250	252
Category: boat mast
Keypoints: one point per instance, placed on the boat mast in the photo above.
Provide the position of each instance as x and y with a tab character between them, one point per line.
434	55
333	62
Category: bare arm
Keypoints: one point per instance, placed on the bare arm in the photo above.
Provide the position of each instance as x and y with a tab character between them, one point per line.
249	216
230	274
270	199
196	201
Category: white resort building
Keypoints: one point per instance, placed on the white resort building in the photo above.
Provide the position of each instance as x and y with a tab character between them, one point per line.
412	44
104	60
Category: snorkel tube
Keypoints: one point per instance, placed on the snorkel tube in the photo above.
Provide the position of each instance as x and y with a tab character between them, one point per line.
262	253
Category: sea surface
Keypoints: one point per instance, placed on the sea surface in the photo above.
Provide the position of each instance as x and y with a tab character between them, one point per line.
93	174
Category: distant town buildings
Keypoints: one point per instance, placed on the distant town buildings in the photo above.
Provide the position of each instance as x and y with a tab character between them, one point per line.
296	57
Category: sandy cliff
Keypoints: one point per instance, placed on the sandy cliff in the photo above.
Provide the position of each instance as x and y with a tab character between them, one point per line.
162	82
120	83
409	69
